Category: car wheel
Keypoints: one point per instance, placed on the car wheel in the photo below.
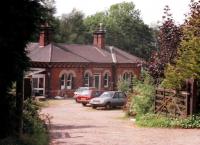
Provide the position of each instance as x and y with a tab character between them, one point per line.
108	106
94	107
84	104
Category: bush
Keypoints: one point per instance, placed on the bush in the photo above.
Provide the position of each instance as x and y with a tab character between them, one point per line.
142	97
154	120
34	130
123	85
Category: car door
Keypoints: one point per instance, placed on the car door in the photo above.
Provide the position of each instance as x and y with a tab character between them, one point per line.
122	98
115	99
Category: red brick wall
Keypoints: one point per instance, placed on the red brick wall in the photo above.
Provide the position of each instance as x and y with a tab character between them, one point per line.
79	75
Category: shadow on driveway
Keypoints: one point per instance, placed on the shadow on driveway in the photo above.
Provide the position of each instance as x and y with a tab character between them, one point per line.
65	127
59	131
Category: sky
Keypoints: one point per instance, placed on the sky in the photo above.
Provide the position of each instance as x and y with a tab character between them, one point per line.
151	10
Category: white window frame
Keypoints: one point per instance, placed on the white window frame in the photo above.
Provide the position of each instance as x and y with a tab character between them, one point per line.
66	81
87	76
106	79
63	81
69	81
38	77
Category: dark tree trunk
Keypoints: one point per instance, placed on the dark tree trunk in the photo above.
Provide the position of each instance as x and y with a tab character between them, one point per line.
4	110
19	104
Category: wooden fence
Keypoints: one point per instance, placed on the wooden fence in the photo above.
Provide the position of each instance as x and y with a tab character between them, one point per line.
179	103
171	103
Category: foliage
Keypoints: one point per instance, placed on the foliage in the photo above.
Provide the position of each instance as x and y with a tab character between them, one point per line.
18	23
71	28
187	63
123	85
169	38
154	120
92	23
124	29
142	98
34	130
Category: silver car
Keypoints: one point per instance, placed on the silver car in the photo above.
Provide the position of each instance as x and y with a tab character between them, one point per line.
109	99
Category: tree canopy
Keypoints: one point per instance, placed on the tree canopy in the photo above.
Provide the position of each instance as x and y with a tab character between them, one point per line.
124	29
187	64
169	37
71	28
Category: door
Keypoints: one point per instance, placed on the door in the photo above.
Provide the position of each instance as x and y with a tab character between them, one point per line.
38	85
116	101
97	81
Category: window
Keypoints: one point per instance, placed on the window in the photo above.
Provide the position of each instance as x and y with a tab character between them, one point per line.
125	76
86	80
106	80
122	95
38	84
66	81
63	81
69	81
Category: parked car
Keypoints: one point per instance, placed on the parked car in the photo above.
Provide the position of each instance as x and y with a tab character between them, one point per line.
78	91
109	99
87	95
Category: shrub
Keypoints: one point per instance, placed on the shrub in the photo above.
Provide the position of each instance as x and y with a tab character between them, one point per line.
154	120
142	97
123	85
34	130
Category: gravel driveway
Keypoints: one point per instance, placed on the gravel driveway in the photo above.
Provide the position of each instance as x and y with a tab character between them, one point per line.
73	124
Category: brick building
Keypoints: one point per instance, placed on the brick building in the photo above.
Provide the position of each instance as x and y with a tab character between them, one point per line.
58	69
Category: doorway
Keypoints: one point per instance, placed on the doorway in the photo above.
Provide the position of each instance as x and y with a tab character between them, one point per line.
97	81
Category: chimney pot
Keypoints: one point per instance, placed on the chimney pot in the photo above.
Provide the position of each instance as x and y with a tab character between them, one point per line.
44	38
99	37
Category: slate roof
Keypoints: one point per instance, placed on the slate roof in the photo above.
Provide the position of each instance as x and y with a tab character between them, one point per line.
57	52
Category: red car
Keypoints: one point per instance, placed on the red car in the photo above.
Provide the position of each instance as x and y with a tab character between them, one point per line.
87	95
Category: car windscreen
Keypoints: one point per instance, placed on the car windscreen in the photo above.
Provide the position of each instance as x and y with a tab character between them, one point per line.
107	94
81	89
86	92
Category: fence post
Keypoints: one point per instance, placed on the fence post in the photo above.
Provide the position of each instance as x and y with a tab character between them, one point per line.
192	88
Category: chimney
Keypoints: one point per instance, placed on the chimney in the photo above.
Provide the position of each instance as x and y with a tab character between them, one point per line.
44	38
99	37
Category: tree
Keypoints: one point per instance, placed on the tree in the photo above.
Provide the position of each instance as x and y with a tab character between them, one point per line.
169	38
187	63
71	28
124	29
17	24
92	23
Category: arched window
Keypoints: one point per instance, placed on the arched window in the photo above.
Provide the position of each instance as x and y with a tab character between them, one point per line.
69	81
106	80
126	76
87	80
66	81
63	81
